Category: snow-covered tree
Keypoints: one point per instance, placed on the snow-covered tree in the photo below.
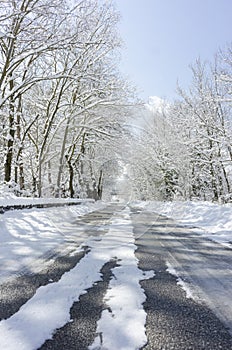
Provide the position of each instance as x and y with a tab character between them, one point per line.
60	90
183	149
207	129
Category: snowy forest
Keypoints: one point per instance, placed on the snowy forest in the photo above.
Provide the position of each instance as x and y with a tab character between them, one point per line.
66	111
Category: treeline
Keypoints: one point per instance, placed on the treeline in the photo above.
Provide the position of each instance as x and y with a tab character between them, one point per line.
64	112
62	99
185	148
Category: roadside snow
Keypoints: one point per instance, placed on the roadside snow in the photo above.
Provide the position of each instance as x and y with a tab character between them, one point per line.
121	327
28	236
9	199
214	221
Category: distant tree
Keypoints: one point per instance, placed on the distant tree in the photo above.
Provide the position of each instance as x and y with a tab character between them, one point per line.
154	156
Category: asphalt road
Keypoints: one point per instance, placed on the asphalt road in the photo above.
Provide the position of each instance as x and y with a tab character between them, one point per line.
173	320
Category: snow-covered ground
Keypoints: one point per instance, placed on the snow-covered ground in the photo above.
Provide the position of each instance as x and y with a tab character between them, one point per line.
27	235
10	200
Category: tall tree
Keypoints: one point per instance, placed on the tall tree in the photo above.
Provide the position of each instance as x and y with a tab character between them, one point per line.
60	89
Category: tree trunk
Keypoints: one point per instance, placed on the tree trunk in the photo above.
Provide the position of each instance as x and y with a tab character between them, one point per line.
10	141
71	177
100	185
61	160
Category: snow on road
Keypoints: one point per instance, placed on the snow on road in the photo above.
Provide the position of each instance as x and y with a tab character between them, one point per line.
49	308
28	234
185	286
122	325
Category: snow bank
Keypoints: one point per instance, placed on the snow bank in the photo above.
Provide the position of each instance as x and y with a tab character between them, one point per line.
27	235
8	199
23	201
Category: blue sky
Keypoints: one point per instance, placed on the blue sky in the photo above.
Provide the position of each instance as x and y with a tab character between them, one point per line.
163	37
